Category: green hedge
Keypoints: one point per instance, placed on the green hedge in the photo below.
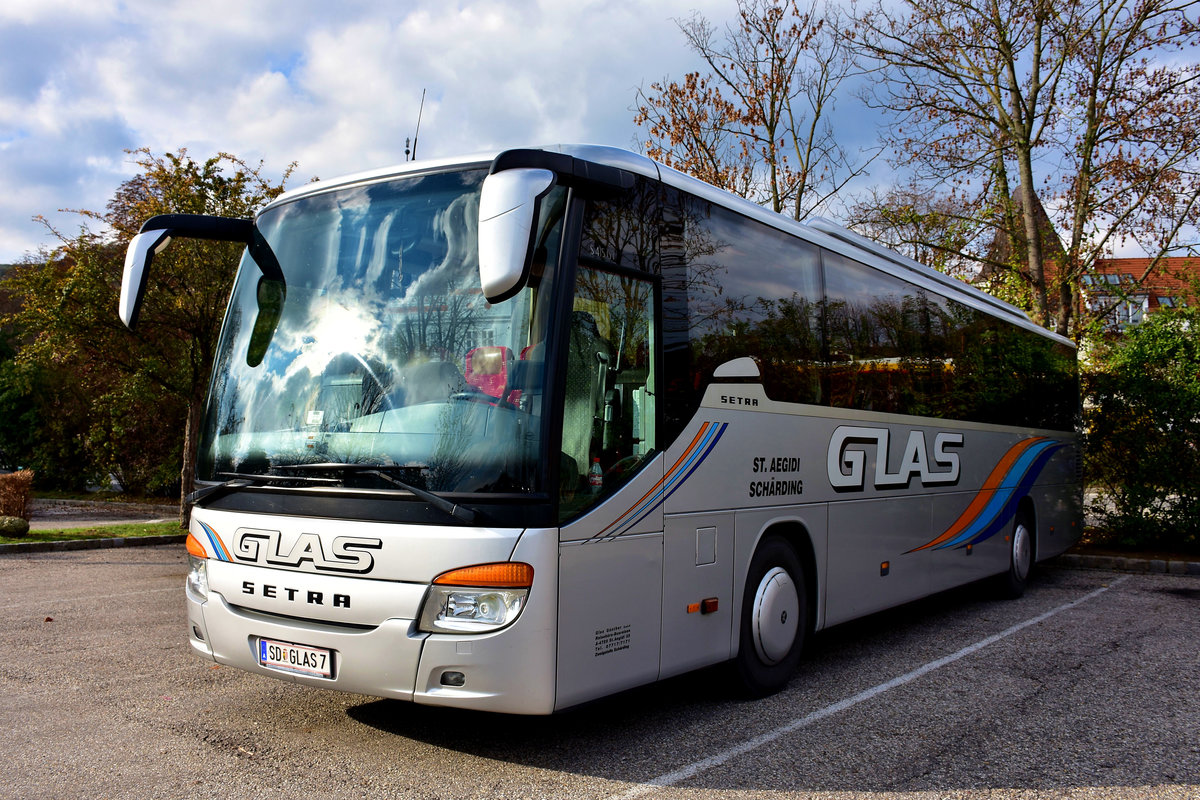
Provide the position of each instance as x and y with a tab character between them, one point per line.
1142	434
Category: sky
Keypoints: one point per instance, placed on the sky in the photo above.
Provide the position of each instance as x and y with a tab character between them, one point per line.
335	87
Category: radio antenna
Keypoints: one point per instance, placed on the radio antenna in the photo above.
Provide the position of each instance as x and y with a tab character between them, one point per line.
416	133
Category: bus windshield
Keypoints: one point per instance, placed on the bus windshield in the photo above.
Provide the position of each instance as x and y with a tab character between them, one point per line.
385	355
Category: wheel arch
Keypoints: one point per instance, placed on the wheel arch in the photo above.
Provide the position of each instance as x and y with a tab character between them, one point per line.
765	654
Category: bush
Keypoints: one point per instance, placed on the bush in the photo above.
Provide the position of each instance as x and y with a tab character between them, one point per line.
13	526
1142	434
15	488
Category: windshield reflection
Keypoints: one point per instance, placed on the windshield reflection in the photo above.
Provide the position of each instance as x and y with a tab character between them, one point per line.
385	352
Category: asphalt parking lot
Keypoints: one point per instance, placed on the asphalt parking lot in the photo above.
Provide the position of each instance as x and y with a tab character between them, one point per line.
1088	687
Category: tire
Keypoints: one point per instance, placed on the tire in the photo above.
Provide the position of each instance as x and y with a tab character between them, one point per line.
1020	557
774	619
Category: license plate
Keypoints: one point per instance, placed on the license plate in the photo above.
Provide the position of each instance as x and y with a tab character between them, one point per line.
296	658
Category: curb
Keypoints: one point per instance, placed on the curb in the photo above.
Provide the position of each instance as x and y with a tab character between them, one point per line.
1160	566
90	544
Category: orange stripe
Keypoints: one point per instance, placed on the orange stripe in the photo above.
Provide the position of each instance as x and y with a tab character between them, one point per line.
985	493
661	481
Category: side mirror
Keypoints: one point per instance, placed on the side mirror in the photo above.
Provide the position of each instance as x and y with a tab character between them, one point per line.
141	251
508	209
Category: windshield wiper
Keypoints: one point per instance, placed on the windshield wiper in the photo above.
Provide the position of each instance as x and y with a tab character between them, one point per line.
442	504
240	480
220	490
455	510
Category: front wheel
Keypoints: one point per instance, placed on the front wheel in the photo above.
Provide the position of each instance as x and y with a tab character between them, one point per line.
774	618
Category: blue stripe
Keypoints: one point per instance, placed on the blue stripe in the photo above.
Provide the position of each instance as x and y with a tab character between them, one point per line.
1009	511
691	465
215	543
1003	505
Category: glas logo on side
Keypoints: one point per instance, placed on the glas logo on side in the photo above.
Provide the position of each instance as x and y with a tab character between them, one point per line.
348	554
849	446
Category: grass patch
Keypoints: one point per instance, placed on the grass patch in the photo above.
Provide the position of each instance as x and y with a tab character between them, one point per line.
99	532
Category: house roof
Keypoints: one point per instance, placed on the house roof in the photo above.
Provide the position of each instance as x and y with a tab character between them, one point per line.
1170	278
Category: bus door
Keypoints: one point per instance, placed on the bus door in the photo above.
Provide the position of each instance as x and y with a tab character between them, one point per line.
610	489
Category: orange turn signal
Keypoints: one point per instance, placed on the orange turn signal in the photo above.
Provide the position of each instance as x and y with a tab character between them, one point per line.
195	548
502	575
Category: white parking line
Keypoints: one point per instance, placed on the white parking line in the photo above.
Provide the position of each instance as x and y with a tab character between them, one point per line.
697	767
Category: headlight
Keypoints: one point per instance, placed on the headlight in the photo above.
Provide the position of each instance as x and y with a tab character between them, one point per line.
476	599
197	577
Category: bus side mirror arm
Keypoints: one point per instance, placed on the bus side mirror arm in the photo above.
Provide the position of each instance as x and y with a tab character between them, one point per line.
157	233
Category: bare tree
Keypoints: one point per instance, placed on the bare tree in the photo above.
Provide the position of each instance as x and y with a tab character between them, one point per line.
1092	102
1130	138
756	122
975	86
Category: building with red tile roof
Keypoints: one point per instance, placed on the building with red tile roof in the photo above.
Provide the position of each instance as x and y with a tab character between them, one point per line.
1122	291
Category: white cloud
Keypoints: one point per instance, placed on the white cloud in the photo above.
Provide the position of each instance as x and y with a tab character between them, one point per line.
335	87
36	12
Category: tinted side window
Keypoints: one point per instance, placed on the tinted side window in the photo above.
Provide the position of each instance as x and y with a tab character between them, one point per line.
624	230
1011	376
895	348
744	289
825	328
889	341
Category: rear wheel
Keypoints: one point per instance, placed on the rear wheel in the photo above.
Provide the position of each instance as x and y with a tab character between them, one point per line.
1020	557
774	618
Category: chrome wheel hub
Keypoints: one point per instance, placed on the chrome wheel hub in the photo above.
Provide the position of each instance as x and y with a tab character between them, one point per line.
775	618
1022	552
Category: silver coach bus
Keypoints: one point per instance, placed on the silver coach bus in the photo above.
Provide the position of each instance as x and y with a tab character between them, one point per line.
516	432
